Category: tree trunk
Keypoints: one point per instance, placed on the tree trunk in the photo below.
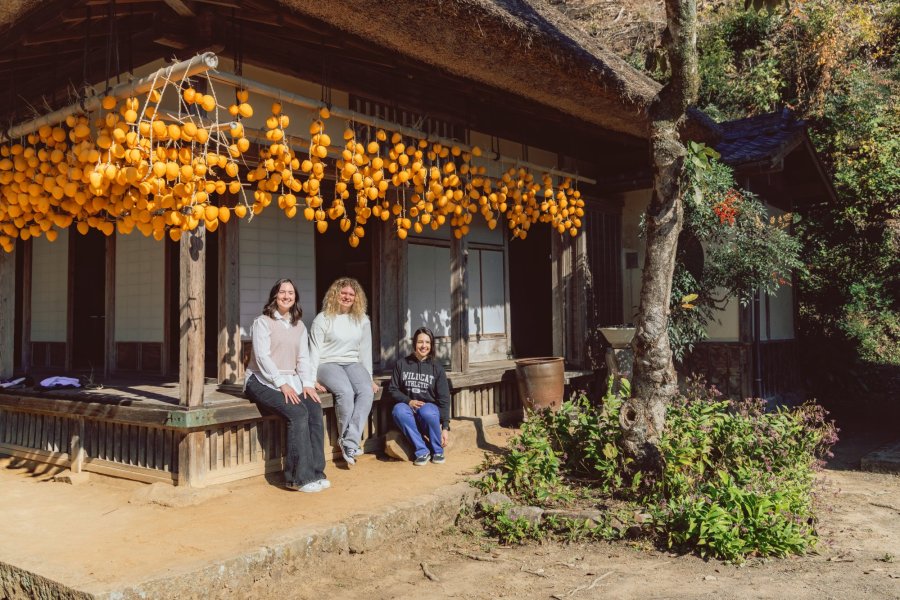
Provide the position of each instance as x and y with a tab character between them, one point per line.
655	383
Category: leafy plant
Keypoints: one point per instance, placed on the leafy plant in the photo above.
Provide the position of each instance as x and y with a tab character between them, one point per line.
737	479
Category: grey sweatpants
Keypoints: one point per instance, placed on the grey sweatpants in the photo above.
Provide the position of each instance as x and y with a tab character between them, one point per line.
351	386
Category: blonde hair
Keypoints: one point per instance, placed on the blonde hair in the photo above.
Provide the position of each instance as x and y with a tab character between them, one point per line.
331	303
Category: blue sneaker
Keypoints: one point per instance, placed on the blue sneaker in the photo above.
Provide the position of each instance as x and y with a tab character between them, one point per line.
438	459
421	461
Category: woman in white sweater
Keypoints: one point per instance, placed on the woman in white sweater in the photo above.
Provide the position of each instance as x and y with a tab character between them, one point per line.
340	349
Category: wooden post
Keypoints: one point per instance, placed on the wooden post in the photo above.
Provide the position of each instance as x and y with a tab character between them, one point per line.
7	313
231	368
26	305
389	273
192	308
558	294
459	312
76	447
192	467
70	302
110	310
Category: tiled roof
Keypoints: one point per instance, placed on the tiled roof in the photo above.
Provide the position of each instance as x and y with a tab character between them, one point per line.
759	138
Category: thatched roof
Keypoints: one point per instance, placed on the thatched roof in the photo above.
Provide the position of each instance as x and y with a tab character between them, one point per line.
526	47
523	47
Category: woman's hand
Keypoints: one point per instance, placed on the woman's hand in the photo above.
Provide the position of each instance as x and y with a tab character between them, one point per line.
290	394
416	404
311	392
445	437
320	387
375	388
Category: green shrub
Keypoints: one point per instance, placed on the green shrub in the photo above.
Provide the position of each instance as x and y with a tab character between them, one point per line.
737	480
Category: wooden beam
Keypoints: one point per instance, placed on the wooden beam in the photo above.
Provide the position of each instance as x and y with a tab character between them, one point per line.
192	310
183	9
558	295
27	254
231	368
459	311
109	364
7	313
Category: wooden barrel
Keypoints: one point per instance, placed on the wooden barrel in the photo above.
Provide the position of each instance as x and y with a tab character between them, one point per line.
541	382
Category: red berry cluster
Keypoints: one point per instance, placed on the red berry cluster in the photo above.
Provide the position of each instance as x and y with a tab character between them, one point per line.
727	209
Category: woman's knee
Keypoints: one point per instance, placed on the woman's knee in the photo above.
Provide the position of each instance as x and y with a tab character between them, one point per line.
401	410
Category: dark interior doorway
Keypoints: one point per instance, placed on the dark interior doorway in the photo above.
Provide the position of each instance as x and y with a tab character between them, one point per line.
336	258
531	294
87	260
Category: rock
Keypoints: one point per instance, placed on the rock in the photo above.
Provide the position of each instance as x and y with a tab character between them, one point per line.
710	578
493	500
532	514
397	446
592	515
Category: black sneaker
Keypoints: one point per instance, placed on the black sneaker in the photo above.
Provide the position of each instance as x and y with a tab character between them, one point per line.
421	461
438	459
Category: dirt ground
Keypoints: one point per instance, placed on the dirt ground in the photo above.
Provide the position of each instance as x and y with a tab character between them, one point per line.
99	535
858	557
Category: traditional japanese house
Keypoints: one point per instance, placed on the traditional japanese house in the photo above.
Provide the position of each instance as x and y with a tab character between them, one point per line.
163	323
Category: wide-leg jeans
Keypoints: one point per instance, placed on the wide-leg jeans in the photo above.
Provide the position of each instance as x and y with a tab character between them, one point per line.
304	457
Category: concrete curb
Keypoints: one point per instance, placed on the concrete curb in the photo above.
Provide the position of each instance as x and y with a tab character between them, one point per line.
359	533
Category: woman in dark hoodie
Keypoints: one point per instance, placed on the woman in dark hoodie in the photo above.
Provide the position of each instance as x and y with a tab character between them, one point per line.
421	398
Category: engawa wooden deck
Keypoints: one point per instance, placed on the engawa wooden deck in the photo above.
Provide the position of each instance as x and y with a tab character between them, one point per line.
138	430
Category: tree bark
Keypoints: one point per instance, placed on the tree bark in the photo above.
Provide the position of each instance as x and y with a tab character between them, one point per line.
655	382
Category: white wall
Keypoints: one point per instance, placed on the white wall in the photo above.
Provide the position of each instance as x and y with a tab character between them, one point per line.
428	288
634	205
140	289
273	246
49	288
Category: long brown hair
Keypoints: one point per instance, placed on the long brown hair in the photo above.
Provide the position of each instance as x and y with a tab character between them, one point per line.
331	303
271	306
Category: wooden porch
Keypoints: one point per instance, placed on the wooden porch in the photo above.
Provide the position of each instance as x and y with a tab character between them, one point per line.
138	430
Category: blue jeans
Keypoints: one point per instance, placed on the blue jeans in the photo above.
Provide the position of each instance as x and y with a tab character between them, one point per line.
304	457
416	424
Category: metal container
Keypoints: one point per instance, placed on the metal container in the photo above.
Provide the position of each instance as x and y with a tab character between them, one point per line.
541	382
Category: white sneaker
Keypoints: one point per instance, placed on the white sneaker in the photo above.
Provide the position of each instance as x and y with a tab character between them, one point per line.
347	454
324	484
312	487
358	452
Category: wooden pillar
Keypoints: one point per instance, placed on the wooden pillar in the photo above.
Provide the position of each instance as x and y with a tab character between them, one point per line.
192	309
459	298
192	466
231	368
558	294
70	302
26	304
110	309
389	283
191	317
7	313
76	447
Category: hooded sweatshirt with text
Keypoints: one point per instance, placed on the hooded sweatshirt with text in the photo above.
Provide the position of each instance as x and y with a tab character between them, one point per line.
423	380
